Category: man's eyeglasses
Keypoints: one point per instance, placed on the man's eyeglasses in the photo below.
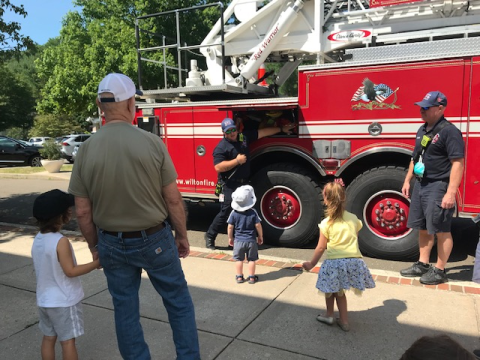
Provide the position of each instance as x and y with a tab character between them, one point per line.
229	131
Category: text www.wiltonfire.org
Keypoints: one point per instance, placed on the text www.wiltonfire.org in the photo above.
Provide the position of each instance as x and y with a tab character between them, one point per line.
204	182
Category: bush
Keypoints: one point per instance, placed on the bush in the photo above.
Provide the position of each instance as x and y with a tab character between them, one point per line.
51	150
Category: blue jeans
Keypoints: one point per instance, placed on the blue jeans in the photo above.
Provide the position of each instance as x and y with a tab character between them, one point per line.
123	261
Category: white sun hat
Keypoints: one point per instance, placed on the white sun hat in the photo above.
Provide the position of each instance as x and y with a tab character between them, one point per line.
121	86
243	198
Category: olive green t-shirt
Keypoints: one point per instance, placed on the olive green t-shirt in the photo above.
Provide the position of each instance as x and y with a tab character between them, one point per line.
122	170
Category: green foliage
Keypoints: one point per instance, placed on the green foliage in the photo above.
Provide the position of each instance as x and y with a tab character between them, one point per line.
101	39
17	104
12	42
52	125
17	133
51	150
290	87
23	68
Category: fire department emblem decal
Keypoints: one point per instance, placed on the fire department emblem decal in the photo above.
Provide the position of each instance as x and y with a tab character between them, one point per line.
435	138
372	96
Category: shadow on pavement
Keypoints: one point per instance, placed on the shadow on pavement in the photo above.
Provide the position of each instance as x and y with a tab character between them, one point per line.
271	319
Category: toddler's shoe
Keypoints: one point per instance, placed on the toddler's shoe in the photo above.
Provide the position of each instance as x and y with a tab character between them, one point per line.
325	319
240	279
344	327
252	279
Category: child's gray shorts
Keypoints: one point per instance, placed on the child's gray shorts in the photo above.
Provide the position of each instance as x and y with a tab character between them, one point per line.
242	248
64	322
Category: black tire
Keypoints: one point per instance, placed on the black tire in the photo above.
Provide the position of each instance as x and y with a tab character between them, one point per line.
35	161
386	237
302	208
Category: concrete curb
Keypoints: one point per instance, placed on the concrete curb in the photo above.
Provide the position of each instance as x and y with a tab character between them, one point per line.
384	276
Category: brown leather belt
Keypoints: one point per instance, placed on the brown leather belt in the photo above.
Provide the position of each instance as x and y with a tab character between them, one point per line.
135	234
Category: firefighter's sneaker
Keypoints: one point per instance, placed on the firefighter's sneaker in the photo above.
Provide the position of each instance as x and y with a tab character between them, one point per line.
209	243
434	276
417	269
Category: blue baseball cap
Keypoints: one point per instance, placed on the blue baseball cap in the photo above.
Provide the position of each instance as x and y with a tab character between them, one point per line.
433	98
228	124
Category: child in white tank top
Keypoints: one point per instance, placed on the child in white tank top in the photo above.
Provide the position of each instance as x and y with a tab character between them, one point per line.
59	290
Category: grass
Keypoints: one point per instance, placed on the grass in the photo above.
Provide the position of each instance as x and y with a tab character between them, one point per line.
32	170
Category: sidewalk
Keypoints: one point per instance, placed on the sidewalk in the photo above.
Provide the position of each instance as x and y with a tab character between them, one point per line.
44	175
274	318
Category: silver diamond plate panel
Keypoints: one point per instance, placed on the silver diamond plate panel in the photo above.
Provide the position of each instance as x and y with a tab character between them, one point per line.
439	49
429	49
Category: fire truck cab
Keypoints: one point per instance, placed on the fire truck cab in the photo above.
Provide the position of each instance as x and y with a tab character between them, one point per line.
355	111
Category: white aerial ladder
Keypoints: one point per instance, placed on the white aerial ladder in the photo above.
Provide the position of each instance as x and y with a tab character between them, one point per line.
292	31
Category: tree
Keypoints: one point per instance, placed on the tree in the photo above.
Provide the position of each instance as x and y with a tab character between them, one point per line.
12	42
54	125
17	104
101	39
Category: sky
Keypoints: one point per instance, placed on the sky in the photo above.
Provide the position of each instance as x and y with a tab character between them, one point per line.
44	19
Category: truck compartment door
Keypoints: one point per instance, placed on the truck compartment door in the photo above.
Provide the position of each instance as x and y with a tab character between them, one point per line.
176	129
471	201
207	134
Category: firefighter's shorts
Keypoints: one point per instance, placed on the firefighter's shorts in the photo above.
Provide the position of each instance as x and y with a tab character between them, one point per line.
426	212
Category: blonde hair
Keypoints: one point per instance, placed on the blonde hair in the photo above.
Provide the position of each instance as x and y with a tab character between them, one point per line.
334	196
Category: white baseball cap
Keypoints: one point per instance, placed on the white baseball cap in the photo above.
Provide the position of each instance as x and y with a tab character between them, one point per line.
243	198
121	86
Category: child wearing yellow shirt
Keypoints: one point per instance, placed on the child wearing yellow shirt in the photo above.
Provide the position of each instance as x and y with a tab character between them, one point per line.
344	267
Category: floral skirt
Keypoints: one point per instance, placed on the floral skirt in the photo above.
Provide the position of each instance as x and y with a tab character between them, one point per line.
336	275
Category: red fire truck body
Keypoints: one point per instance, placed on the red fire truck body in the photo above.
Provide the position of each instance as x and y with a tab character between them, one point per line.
342	131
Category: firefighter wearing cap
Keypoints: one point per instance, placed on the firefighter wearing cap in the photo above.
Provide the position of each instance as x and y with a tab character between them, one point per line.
437	165
231	158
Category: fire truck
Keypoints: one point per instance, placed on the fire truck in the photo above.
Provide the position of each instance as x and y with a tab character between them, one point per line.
365	63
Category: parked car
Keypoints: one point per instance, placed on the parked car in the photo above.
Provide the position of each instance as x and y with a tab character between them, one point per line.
38	141
75	152
15	153
69	142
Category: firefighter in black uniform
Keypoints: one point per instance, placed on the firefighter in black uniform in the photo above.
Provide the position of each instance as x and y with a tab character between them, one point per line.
231	159
437	164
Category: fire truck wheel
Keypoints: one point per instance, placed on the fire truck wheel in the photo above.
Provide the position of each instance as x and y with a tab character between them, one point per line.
376	198
289	203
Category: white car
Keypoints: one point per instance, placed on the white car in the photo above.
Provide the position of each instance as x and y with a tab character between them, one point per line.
69	142
38	141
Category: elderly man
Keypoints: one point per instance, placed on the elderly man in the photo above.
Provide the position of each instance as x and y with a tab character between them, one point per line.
124	186
231	158
437	164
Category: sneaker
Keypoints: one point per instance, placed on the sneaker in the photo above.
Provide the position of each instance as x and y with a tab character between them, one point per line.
417	269
209	243
325	319
434	276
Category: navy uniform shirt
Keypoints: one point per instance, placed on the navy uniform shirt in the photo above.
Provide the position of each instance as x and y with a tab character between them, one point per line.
226	150
445	146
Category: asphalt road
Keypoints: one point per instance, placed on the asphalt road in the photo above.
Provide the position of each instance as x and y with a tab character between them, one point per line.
17	196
